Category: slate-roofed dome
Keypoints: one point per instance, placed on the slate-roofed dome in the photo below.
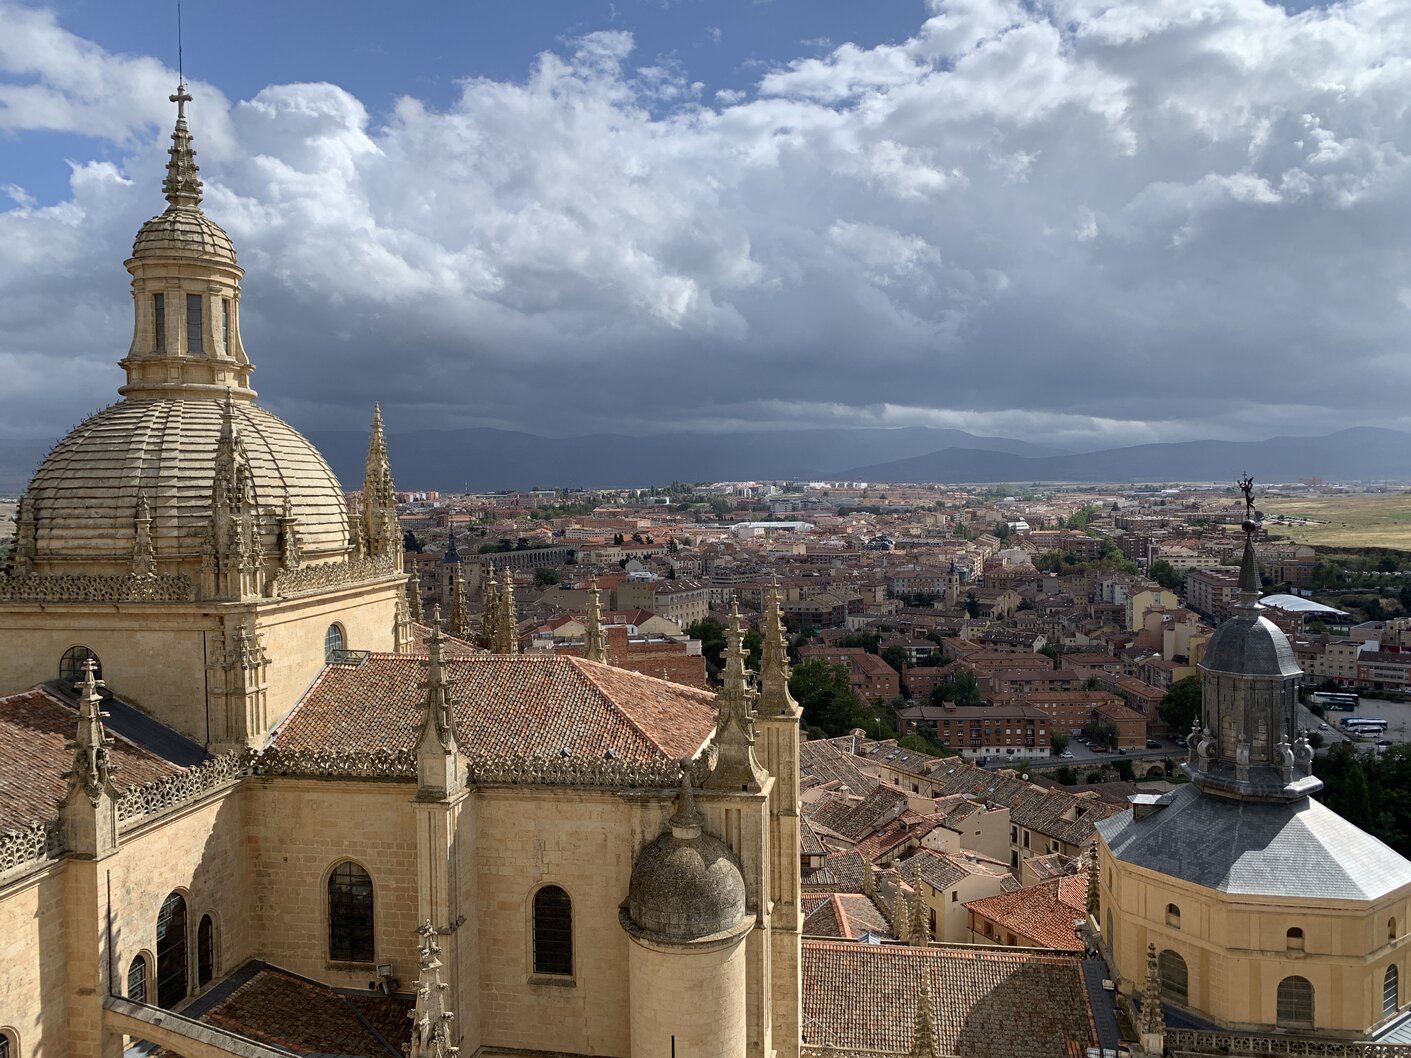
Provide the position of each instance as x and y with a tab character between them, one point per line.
83	497
184	233
686	888
1250	645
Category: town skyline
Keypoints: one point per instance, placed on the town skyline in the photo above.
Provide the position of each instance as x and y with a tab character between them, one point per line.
1002	221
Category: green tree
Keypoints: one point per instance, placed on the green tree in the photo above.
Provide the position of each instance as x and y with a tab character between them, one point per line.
960	689
1165	574
545	577
821	688
1181	706
1059	742
411	543
1066	775
897	657
712	637
1124	769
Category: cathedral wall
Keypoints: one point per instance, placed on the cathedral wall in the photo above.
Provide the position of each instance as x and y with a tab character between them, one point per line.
33	942
293	635
584	841
154	658
688	1002
1237	949
195	852
297	832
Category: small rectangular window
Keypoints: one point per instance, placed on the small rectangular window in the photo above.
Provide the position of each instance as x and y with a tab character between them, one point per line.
225	325
193	323
159	322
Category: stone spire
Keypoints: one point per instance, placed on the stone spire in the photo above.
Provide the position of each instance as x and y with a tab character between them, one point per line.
234	565
381	531
290	552
459	622
490	609
686	822
775	699
22	554
144	560
595	645
1153	1022
90	807
920	929
414	595
924	1043
431	1021
439	767
736	767
901	915
507	620
182	186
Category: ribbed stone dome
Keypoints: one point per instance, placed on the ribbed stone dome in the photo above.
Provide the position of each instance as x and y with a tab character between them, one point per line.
184	233
1250	645
83	498
686	888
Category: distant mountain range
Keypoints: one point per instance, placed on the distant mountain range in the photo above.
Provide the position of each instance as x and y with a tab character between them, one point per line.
481	459
1359	454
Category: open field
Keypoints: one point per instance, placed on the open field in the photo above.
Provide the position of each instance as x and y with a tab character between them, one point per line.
1344	521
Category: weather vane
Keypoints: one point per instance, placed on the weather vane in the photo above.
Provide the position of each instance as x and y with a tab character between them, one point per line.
1247	487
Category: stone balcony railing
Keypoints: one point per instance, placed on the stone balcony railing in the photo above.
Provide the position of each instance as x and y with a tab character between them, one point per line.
1203	1042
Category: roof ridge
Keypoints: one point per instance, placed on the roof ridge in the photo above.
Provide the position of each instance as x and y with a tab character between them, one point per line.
581	665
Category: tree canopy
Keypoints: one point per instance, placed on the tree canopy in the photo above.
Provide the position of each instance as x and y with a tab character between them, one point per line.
1181	706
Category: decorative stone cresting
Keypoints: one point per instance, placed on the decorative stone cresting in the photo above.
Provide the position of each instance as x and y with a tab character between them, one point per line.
35	841
79	587
307	580
150	798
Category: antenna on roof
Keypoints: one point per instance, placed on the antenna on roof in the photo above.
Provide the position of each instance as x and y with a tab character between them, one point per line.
180	62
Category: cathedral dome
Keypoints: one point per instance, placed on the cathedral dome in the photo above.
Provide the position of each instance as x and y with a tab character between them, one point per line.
686	885
184	233
1250	645
84	497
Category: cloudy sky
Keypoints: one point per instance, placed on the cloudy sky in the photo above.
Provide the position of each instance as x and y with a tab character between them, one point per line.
1066	220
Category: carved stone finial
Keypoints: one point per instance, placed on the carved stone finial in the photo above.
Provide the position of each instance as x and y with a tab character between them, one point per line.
736	767
89	811
686	822
459	624
775	699
920	928
507	620
490	609
414	595
144	560
22	555
431	1021
1153	1022
595	647
924	1043
182	186
290	551
440	770
380	529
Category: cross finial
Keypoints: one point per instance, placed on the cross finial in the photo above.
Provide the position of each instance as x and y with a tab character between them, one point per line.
181	97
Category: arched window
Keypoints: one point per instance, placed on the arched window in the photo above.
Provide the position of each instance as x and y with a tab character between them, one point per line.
9	1048
1108	938
1175	985
553	932
137	979
205	951
1173	916
1293	939
350	919
1295	1003
71	664
1391	990
333	641
171	951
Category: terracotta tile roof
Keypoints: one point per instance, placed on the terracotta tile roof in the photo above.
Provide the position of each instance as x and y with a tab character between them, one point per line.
36	730
844	916
987	1003
1040	915
531	705
281	1009
454	648
825	762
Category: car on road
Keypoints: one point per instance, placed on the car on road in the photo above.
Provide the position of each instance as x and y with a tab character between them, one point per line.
1066	755
1152	743
1098	747
1322	727
1182	743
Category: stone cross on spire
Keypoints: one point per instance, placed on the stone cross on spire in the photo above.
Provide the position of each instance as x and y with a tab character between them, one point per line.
736	767
182	186
439	768
431	1021
595	647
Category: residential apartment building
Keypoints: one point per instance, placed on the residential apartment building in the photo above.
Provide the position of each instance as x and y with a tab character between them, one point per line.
1209	591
